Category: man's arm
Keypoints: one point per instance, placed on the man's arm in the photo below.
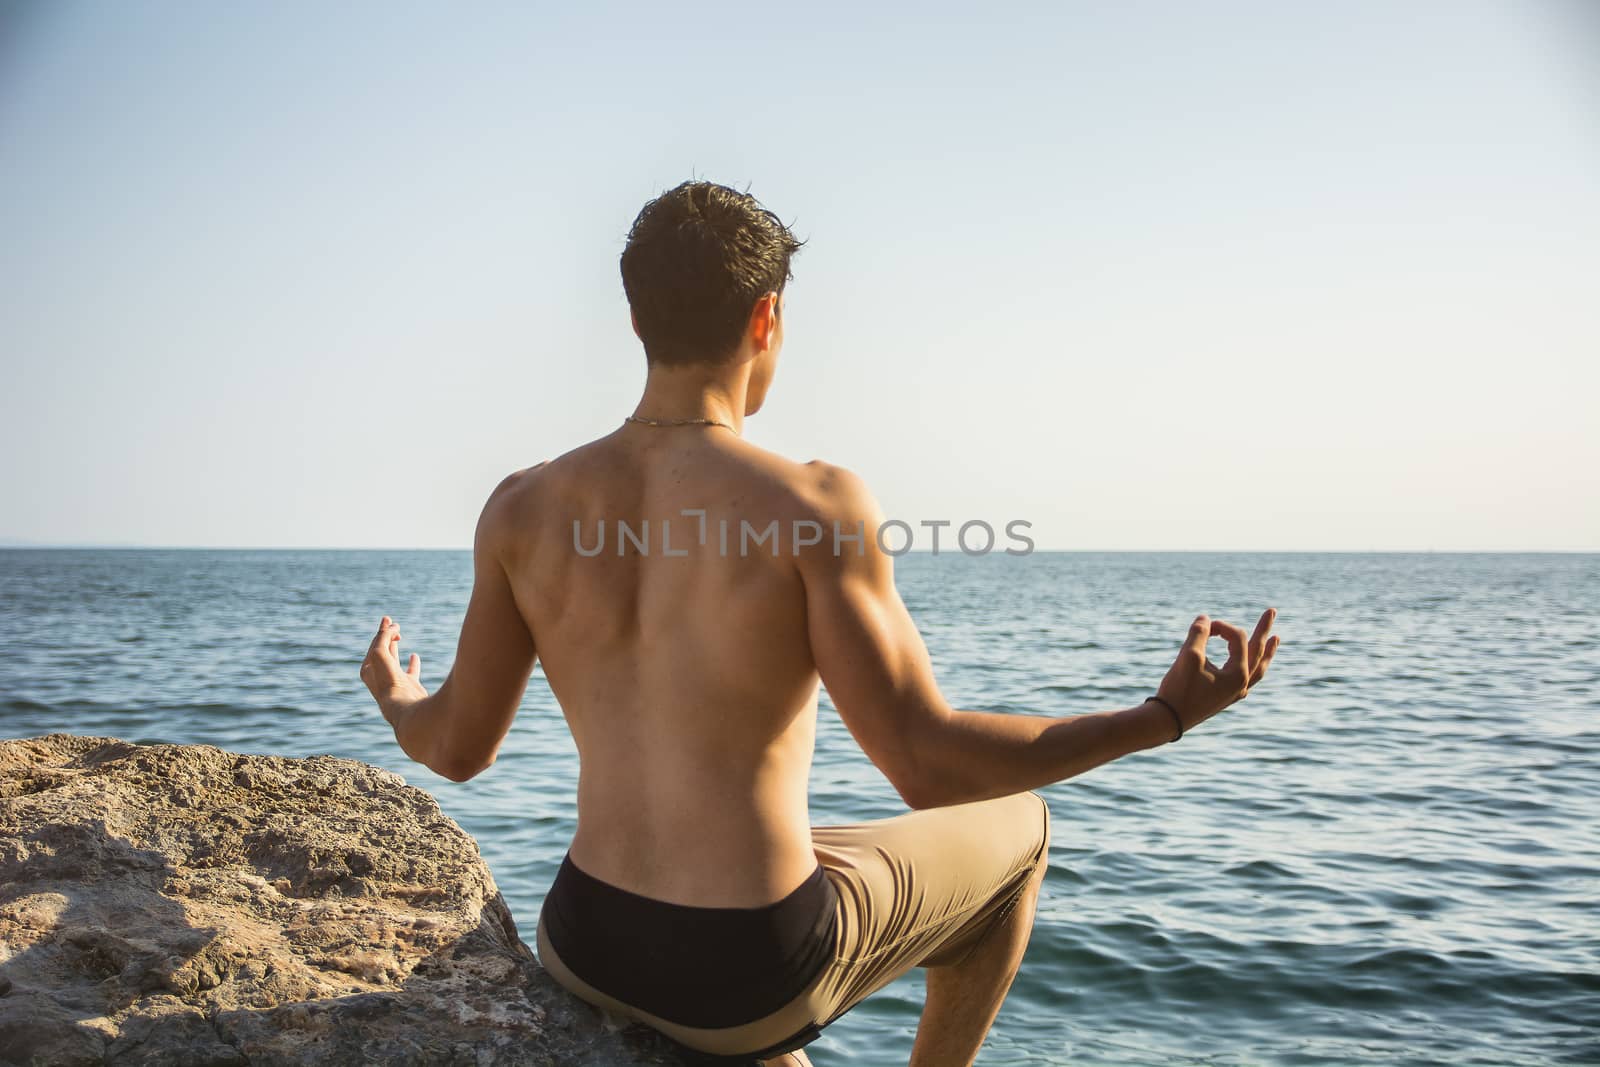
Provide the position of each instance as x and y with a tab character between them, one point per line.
878	674
457	731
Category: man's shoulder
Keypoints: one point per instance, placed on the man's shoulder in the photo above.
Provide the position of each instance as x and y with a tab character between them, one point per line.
843	515
531	484
511	501
837	492
516	485
816	489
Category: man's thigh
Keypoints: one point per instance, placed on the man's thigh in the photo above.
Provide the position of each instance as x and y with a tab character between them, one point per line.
921	889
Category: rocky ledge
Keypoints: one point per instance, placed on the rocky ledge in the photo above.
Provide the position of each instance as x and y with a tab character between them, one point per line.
180	904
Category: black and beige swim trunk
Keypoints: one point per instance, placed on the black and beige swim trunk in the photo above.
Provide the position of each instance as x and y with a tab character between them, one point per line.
917	890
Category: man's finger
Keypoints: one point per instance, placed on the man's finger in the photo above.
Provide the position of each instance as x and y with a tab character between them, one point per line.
1238	650
1258	640
1198	634
384	640
414	668
1265	660
1263	626
1259	671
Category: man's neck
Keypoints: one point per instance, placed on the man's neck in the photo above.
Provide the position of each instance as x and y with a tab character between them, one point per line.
696	392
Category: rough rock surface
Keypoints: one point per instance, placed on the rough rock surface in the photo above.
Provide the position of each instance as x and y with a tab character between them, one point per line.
180	904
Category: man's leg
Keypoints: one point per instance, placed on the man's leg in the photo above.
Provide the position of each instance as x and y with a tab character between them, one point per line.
952	890
964	998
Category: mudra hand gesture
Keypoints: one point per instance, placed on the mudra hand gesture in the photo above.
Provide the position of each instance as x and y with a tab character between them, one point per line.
1198	688
394	689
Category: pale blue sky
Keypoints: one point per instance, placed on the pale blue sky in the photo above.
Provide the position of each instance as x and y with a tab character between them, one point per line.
1230	276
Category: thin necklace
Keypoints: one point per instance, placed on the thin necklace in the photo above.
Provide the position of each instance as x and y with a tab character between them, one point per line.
678	422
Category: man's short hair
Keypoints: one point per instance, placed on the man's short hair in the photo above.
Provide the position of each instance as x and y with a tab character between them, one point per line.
698	258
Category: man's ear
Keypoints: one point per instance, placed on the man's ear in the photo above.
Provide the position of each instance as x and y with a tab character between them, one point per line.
764	318
635	320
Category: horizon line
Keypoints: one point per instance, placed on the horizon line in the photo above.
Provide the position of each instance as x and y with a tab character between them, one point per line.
134	547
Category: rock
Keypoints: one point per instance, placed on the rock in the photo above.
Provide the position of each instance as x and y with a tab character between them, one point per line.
179	904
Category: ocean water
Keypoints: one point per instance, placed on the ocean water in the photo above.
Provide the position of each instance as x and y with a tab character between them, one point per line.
1389	853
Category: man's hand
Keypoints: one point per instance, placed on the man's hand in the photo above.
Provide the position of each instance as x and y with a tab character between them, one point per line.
393	688
1199	688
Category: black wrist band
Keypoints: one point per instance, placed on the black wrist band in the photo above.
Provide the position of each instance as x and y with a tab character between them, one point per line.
1175	717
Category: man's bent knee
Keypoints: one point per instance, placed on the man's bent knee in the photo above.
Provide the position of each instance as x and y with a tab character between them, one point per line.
1044	818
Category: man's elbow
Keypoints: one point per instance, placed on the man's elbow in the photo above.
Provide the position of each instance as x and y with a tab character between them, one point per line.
916	797
460	768
931	768
919	791
916	787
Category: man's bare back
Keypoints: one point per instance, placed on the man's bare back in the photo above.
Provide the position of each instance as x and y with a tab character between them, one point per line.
687	680
687	592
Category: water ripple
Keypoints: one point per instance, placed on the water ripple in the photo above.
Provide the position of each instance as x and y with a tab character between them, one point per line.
1388	854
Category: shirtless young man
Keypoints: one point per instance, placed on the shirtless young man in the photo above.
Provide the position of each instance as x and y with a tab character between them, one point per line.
696	896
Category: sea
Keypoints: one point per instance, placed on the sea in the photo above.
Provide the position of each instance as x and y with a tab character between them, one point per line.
1389	853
